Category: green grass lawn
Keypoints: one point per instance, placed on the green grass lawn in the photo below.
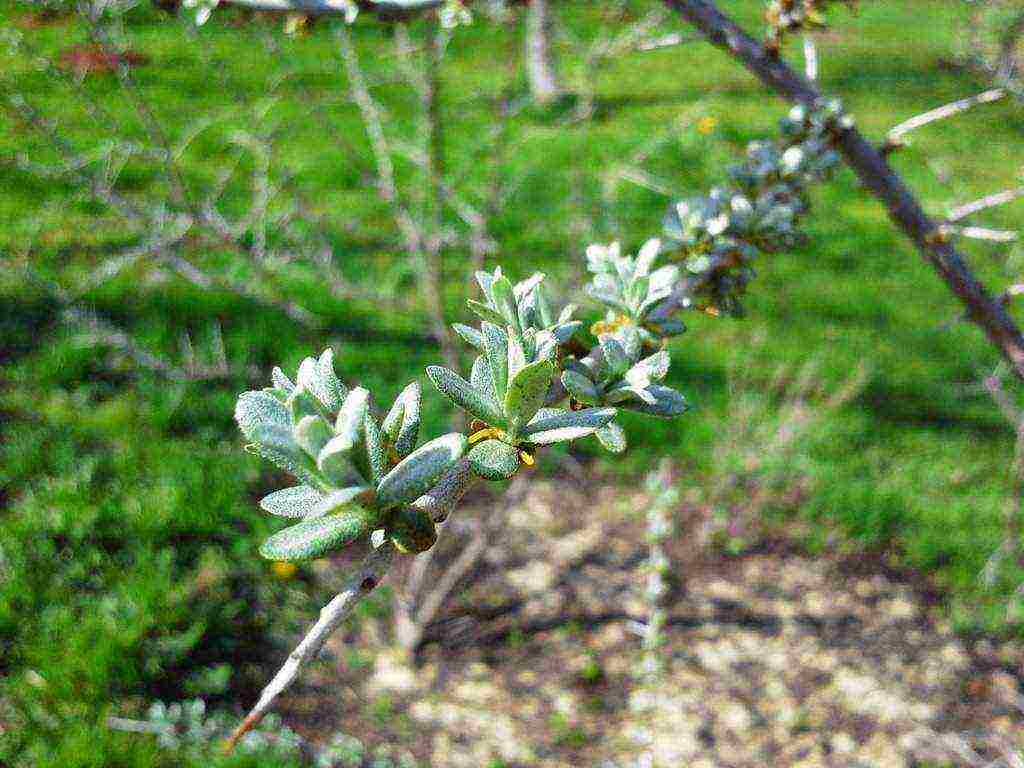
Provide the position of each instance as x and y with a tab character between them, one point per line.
137	487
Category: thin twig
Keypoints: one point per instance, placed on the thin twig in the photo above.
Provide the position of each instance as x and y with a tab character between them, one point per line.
810	58
895	136
981	204
370	573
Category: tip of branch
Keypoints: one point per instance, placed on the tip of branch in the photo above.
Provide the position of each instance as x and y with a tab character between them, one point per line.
250	722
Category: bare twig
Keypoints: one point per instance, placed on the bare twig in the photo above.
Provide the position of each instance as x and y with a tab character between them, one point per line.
989	201
810	58
982	233
874	172
362	583
895	138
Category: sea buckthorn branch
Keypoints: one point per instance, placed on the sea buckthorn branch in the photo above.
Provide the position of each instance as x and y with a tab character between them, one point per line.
872	168
362	477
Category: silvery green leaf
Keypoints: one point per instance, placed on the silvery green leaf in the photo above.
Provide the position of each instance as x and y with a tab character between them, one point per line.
547	346
523	288
298	501
612	437
330	390
471	336
302	402
653	368
565	331
486	280
281	381
632	344
566	314
485	313
505	303
584	367
464	395
418	471
526	392
516	355
312	433
335	460
567	425
543	306
312	538
646	256
668	403
307	374
412	531
336	500
607	298
442	497
631	392
636	292
292	460
254	409
664	277
654	298
352	416
580	387
615	358
493	460
480	377
402	424
376	455
496	350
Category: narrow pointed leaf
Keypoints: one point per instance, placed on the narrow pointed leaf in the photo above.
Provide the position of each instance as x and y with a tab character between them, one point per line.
668	403
579	386
615	358
567	425
336	500
376	456
516	355
298	501
402	424
480	377
331	391
653	368
646	256
471	336
496	350
462	393
352	416
505	303
526	392
313	538
493	460
302	403
255	409
281	381
336	462
418	471
312	433
485	313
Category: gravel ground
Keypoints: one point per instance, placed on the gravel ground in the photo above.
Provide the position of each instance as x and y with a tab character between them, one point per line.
772	657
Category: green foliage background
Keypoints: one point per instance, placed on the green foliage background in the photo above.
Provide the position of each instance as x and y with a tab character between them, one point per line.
128	565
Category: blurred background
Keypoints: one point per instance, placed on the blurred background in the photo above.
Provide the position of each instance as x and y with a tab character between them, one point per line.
183	207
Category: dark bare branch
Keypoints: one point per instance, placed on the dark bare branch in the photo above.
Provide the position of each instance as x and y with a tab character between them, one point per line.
874	172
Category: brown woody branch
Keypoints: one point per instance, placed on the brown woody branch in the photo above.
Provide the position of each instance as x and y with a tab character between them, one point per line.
874	172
